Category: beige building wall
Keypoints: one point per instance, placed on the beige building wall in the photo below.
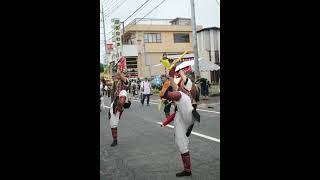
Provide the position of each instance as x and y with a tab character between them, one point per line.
154	59
149	59
167	44
140	64
150	53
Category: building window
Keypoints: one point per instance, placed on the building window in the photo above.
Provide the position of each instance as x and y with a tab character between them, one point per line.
181	38
152	38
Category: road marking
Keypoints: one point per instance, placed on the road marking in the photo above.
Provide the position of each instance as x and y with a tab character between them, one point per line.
205	136
217	112
208	111
195	133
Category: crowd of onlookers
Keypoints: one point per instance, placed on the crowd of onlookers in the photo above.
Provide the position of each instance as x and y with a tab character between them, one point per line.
136	87
143	89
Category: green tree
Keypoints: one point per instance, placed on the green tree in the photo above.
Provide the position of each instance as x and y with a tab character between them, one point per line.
101	67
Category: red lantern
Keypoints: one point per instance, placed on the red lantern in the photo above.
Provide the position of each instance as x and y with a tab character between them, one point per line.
109	46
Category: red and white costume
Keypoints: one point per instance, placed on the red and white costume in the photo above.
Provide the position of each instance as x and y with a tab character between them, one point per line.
182	120
119	99
115	117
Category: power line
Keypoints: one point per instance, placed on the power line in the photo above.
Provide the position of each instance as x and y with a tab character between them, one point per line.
116	8
218	3
148	13
130	15
104	16
153	9
136	10
112	3
111	7
103	4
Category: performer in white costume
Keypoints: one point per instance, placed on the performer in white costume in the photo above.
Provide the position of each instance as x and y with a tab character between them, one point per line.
183	119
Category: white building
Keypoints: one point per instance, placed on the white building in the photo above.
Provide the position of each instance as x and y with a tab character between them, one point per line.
209	49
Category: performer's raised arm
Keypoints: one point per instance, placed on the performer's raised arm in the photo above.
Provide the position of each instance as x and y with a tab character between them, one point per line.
183	76
122	77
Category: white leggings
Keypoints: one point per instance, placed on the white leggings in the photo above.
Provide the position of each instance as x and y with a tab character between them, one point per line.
114	119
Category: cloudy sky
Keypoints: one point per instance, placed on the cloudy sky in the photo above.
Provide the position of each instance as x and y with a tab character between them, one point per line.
207	12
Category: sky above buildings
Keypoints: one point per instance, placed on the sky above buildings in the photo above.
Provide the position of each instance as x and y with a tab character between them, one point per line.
207	12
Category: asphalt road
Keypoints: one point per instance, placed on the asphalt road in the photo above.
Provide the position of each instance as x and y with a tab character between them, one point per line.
147	151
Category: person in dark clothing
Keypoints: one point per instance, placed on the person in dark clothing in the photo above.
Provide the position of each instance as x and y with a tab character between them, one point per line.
139	86
108	91
100	102
203	85
167	103
104	83
129	87
207	88
134	89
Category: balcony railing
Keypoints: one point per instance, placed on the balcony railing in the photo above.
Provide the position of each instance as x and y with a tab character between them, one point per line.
148	21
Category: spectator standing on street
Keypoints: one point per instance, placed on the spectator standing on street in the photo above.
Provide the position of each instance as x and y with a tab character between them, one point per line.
139	86
145	90
108	90
134	86
203	87
101	87
129	88
207	89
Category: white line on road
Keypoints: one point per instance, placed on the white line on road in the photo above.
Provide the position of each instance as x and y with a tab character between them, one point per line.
197	109
208	111
194	133
197	134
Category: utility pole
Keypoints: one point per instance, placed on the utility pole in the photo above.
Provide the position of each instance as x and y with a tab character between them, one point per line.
145	60
122	32
194	41
122	36
104	34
